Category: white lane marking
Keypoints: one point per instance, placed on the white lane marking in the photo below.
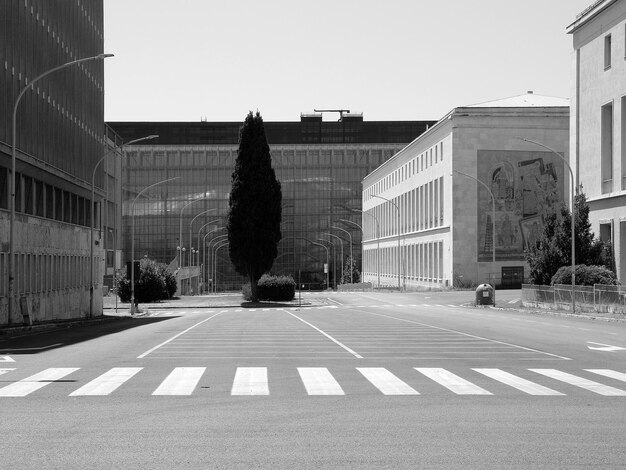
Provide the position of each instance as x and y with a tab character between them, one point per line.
452	382
36	349
4	371
35	382
519	383
107	382
581	382
181	381
468	335
177	335
513	301
609	373
386	382
6	359
250	381
319	381
327	335
605	347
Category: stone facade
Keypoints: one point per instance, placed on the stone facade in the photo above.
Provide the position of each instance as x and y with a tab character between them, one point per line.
598	119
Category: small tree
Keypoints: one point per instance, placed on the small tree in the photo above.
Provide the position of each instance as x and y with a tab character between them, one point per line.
255	205
350	271
553	248
155	282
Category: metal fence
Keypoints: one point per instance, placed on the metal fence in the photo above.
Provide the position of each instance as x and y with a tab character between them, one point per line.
598	298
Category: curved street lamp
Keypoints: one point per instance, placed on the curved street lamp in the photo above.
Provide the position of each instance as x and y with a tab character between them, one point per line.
493	229
377	238
334	260
573	223
204	247
180	227
340	264
132	242
11	263
219	239
93	210
400	264
193	220
218	247
351	258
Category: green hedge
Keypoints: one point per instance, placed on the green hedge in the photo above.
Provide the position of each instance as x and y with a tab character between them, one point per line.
585	276
274	288
155	283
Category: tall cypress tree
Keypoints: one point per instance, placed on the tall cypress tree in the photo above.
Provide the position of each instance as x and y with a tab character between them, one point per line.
254	205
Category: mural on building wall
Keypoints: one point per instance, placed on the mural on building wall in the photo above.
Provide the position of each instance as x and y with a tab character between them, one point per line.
527	186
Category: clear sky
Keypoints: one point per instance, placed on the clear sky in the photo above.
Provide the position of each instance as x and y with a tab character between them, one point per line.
187	60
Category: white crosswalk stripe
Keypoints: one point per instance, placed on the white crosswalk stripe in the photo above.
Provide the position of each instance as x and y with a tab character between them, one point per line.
319	381
181	381
609	373
452	382
107	382
519	383
4	371
581	382
35	382
386	382
250	381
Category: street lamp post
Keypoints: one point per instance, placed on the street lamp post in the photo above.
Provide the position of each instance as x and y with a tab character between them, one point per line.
351	258
400	264
11	261
93	212
573	222
218	246
493	229
217	240
132	242
341	264
204	247
192	221
334	260
180	228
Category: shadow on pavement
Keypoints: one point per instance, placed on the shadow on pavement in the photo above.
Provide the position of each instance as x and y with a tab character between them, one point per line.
67	335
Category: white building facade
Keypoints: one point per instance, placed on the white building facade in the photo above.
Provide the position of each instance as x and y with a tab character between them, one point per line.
428	219
598	119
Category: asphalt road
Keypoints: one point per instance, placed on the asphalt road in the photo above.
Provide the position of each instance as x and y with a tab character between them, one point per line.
372	380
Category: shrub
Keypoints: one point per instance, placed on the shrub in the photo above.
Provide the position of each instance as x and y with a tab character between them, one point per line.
585	276
155	283
274	288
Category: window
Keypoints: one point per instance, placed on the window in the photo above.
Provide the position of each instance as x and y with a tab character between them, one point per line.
606	151
607	52
623	131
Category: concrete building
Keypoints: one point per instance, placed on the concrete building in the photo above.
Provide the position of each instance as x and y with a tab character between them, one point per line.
598	119
428	220
320	165
60	138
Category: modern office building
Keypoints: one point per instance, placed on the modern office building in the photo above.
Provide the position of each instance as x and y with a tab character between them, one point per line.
320	165
428	216
60	137
598	119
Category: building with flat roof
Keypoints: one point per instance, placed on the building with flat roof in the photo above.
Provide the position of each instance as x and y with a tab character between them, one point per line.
320	165
428	217
598	119
60	138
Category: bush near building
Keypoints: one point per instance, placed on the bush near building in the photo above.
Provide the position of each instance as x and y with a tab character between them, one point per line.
155	283
273	288
585	276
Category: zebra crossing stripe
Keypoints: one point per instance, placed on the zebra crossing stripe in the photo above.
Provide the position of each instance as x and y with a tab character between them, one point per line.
386	382
181	381
35	382
107	382
319	381
4	371
581	382
519	383
609	373
250	381
452	382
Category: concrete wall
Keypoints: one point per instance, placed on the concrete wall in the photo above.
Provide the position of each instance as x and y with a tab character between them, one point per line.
52	270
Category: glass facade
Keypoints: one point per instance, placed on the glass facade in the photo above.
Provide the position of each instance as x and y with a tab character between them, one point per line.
319	164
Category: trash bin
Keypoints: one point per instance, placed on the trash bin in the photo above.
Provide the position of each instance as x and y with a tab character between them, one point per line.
484	295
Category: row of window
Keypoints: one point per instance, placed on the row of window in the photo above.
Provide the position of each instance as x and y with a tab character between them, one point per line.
420	209
39	273
35	197
419	262
426	159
